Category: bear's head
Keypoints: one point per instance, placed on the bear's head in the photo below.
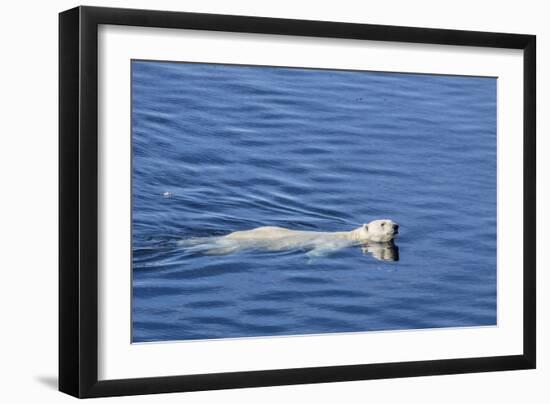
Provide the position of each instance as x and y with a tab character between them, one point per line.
379	231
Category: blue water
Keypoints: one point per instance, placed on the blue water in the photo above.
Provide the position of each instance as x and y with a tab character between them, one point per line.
221	148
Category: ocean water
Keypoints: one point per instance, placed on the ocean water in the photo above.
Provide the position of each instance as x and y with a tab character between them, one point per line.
222	148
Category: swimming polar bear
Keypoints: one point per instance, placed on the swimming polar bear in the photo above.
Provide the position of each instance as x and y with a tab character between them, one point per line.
375	237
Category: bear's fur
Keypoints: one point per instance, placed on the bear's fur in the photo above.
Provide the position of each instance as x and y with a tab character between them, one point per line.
272	238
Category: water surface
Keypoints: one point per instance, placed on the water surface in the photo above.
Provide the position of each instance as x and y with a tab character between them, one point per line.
221	148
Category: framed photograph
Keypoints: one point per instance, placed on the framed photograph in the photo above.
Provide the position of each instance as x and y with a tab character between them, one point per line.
250	201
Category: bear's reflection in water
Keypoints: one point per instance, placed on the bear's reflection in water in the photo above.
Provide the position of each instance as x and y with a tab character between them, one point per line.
382	251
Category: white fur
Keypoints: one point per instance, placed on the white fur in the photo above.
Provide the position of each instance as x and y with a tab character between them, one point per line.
273	238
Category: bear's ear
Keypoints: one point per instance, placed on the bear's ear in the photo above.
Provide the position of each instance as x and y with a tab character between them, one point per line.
366	226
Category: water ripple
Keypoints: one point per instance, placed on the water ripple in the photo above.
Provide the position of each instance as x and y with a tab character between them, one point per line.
220	148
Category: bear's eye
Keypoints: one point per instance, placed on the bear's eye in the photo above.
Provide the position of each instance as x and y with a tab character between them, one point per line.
383	224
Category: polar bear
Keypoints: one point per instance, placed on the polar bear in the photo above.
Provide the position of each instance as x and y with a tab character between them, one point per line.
272	238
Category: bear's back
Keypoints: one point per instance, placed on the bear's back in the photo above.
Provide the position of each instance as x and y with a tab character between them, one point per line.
265	232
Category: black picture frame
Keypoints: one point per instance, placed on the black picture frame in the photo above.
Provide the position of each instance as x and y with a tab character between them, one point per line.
78	201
